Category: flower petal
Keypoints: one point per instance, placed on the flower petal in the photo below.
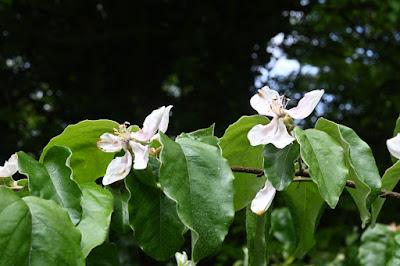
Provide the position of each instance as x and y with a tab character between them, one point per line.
118	169
141	155
10	167
275	132
150	125
393	146
306	104
110	143
262	201
261	102
165	119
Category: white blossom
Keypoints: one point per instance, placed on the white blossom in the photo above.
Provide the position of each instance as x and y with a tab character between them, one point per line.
393	146
268	102
134	144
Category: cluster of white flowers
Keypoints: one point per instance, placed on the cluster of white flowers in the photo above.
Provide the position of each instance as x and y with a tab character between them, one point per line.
136	145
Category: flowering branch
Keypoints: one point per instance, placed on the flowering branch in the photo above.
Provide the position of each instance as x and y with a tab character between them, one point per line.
304	176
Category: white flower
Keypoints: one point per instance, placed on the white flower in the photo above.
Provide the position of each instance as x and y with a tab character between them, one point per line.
182	259
268	102
393	146
262	201
10	167
135	144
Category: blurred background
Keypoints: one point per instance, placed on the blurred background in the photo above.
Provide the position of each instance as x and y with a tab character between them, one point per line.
65	61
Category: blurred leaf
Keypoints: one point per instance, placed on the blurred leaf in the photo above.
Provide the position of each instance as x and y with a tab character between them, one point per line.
36	232
120	216
97	206
389	182
379	246
238	151
361	164
87	161
279	164
257	233
158	230
205	135
326	162
52	179
199	179
104	255
305	205
282	228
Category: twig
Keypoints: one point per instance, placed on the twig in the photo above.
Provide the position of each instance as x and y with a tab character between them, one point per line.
304	176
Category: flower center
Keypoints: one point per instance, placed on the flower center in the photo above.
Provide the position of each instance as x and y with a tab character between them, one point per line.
278	105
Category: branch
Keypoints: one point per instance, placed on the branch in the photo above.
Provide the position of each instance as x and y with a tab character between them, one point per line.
304	176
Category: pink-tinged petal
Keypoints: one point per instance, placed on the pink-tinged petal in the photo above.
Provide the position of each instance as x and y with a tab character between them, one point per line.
393	146
165	119
10	167
275	132
306	104
150	125
141	155
261	102
262	201
110	143
118	169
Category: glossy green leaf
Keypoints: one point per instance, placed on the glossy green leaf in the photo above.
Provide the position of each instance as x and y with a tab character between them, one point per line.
238	151
97	206
361	164
282	229
205	135
279	164
389	182
158	230
305	205
257	234
149	176
379	246
104	255
120	217
52	179
326	161
200	181
36	232
87	161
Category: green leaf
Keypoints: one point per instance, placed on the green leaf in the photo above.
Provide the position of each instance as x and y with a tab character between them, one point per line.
158	230
120	216
279	166
326	162
305	205
205	135
200	181
397	128
238	151
36	232
97	206
52	179
87	161
282	228
361	164
257	233
389	182
379	246
149	176
104	255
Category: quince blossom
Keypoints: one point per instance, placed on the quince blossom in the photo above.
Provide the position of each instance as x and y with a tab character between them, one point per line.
263	200
393	146
268	102
182	259
134	144
10	167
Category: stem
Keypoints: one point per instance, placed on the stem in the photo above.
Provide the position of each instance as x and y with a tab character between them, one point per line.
304	176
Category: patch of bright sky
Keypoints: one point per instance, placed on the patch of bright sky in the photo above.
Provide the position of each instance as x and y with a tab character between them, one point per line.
279	65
